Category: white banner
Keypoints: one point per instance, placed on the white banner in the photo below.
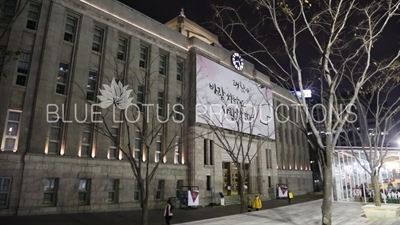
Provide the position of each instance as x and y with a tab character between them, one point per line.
193	198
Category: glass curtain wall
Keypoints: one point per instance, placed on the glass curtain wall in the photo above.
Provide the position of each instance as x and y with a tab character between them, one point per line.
350	180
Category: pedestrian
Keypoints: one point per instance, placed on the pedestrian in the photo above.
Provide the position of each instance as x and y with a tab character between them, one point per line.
168	212
248	204
290	196
257	203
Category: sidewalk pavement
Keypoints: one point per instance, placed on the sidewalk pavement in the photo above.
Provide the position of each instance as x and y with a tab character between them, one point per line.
155	216
309	213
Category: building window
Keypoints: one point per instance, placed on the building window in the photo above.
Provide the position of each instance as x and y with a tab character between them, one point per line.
159	148
211	152
55	137
114	143
205	151
24	64
84	192
144	51
179	109
33	16
92	86
138	144
113	187
163	65
208	183
97	39
11	132
140	98
62	78
8	11
179	184
160	103
87	137
160	190
208	152
269	182
177	150
50	191
70	29
179	71
136	191
5	188
122	44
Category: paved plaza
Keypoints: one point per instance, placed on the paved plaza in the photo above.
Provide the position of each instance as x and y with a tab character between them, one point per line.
308	213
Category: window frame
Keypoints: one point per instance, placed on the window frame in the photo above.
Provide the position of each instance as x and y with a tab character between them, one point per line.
179	184
15	137
66	74
53	192
178	116
114	144
136	192
140	98
32	20
138	141
178	151
59	141
101	37
160	101
143	62
163	64
90	141
85	191
114	190
9	15
7	193
124	48
19	69
74	26
160	190
179	72
159	148
96	86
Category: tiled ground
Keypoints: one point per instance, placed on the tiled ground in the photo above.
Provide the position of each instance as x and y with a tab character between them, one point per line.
300	214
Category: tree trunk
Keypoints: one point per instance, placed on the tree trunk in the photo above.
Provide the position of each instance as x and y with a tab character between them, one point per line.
327	201
145	212
375	186
243	200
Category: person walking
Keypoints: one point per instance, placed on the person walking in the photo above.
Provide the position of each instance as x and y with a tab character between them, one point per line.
290	196
248	204
168	212
257	204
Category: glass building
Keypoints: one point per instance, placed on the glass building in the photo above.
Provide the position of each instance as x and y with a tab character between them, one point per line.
351	180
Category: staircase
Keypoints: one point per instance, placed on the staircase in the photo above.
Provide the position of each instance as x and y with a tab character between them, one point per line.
235	199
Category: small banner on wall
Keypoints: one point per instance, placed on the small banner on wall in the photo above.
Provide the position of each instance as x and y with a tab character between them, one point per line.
193	198
282	191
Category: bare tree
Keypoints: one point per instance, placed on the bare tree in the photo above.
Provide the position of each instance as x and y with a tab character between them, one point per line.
9	13
143	122
377	125
339	37
240	126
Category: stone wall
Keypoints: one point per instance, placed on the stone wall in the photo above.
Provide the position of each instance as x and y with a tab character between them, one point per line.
70	170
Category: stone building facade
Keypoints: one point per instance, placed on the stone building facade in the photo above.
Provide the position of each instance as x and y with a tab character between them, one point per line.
66	50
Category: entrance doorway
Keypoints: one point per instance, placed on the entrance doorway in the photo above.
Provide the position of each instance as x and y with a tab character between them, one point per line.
231	178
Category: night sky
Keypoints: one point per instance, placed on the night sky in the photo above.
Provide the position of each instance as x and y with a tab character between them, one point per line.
200	11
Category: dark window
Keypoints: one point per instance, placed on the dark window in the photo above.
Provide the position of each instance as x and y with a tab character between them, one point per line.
143	56
208	183
50	191
33	16
122	49
92	86
70	29
84	192
113	191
